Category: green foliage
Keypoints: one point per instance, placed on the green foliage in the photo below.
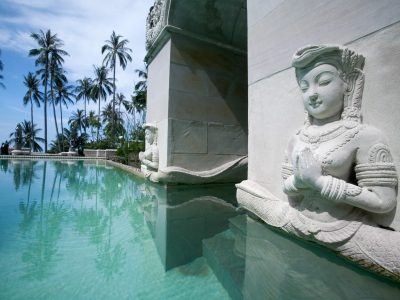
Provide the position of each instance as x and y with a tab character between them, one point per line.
100	144
128	153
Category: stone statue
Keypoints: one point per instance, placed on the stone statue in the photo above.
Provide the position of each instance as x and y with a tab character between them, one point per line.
149	158
334	145
338	173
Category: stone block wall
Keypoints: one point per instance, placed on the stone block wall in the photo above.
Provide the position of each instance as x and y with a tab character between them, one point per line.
198	99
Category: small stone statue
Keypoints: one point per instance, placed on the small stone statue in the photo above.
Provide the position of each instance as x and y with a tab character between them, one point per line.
149	158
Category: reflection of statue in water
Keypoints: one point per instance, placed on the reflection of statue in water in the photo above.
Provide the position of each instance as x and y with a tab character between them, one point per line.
339	174
149	158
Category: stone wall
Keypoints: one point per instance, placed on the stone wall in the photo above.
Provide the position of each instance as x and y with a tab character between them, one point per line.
276	28
108	153
198	99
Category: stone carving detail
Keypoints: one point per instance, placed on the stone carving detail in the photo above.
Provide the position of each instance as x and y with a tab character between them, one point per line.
155	21
325	205
228	172
150	157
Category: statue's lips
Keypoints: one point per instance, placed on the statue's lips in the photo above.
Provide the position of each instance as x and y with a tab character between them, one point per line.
315	104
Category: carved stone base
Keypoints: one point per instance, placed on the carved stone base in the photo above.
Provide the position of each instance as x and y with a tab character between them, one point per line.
233	171
371	247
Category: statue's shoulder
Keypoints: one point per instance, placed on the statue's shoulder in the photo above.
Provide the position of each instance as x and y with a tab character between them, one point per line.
372	141
371	135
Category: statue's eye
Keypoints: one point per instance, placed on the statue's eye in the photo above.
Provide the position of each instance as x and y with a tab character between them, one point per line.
324	82
303	86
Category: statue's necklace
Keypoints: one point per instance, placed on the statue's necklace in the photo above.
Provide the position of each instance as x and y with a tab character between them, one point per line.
315	136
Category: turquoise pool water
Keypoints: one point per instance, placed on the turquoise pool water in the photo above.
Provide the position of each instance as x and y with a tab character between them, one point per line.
74	230
86	230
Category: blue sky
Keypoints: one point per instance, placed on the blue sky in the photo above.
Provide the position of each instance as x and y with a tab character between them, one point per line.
83	25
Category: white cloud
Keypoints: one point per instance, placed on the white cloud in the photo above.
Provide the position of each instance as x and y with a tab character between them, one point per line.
83	26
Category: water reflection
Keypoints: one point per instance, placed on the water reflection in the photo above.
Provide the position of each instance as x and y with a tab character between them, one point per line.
90	224
255	262
41	223
180	217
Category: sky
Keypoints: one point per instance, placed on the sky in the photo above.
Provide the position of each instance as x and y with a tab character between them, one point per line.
84	26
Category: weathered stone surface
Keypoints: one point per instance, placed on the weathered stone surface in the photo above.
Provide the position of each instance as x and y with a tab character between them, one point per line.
234	142
188	137
284	27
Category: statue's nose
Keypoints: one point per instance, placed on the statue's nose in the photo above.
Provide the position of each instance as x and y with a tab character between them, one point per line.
313	97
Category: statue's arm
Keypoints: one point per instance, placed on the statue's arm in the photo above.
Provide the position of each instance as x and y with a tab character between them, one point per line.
376	177
154	162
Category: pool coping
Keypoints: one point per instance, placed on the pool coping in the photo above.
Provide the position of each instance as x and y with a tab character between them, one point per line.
130	169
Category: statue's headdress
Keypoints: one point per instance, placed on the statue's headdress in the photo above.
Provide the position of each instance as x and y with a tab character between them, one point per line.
153	128
349	65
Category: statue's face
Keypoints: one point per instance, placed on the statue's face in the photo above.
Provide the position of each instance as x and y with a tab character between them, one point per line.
149	136
323	91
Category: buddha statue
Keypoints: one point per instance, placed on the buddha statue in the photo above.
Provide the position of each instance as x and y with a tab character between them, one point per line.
339	173
149	158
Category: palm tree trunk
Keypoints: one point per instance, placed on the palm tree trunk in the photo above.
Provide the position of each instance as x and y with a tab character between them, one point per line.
54	107
113	118
62	128
45	107
84	99
134	118
55	122
98	119
32	137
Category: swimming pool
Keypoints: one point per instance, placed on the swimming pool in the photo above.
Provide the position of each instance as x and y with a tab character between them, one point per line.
76	230
87	230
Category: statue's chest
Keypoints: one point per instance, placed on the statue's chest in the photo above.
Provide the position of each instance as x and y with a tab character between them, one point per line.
336	155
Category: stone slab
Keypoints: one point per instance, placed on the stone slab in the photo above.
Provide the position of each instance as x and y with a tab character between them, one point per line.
281	29
188	137
234	139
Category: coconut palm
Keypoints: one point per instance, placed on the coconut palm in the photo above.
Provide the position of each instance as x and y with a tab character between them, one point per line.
93	122
1	76
47	43
102	86
78	120
139	97
33	95
83	90
116	49
120	99
26	135
56	72
112	129
63	97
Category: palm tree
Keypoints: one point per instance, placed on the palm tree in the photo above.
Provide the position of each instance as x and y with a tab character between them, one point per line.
30	136
102	86
92	122
47	43
64	96
26	135
112	129
56	73
139	97
120	99
32	95
83	90
78	120
1	76
116	49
